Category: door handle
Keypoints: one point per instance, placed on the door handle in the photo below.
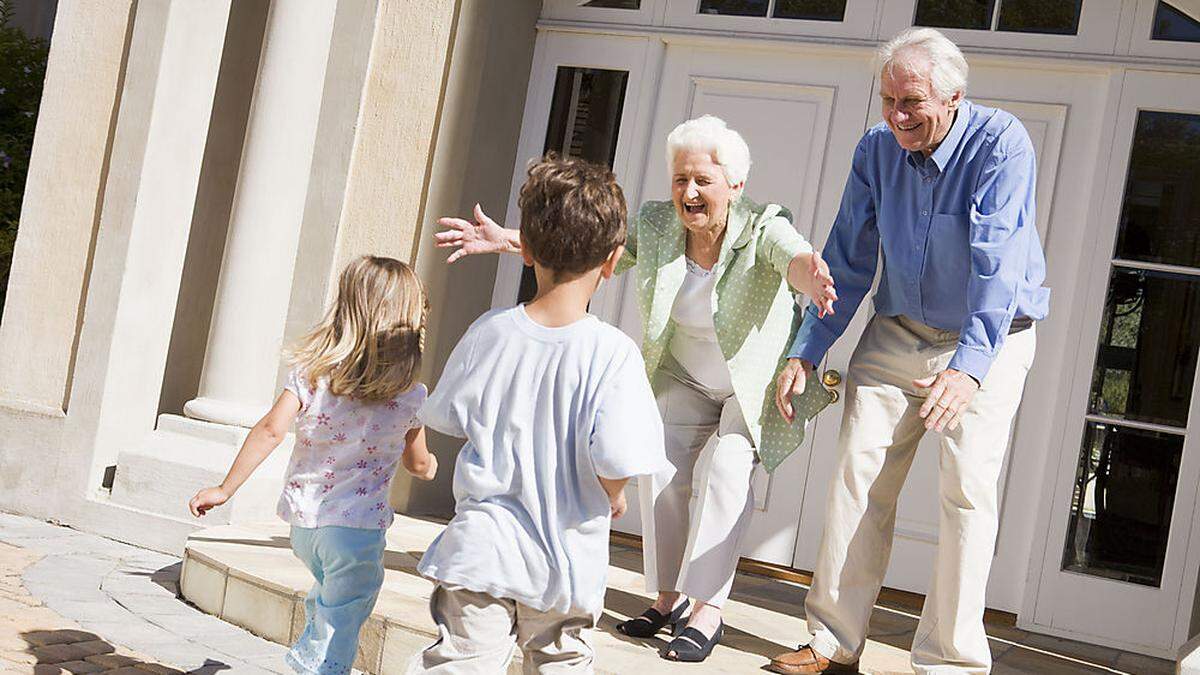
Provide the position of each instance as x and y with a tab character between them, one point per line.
831	378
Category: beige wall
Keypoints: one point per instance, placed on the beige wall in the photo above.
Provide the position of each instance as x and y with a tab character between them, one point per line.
473	162
61	208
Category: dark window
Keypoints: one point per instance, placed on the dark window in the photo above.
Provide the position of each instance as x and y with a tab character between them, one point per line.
813	10
1059	17
1172	24
614	4
734	7
1160	217
585	117
974	14
1021	16
1146	360
1121	505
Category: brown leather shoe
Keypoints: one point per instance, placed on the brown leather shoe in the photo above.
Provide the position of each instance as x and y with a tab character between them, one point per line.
805	661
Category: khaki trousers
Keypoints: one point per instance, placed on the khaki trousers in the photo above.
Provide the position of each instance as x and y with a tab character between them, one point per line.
880	430
478	634
693	517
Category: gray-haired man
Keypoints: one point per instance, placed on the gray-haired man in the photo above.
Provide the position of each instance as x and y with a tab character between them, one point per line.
945	189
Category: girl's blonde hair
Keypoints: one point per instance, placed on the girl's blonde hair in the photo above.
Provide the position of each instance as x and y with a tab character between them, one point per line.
369	344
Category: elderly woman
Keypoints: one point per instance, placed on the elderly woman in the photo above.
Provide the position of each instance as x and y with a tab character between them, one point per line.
714	279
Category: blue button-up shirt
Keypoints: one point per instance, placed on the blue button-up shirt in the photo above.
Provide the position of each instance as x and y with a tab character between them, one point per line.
957	232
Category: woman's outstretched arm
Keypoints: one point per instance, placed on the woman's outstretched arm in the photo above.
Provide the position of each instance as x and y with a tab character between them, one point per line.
482	236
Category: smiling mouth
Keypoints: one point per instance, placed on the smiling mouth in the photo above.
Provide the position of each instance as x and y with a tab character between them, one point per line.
912	128
694	208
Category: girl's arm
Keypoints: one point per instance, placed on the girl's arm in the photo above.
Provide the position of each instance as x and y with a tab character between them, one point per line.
260	442
417	460
615	489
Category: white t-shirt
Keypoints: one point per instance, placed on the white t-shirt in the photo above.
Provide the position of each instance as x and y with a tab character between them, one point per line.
694	340
544	411
346	452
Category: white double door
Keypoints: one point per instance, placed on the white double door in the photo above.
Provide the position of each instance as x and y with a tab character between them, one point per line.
802	110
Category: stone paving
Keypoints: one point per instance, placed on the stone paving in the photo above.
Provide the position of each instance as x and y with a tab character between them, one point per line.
72	602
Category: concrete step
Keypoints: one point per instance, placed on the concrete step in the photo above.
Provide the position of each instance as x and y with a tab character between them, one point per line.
248	576
184	455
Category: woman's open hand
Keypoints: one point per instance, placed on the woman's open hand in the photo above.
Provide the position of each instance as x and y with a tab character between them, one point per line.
821	290
470	238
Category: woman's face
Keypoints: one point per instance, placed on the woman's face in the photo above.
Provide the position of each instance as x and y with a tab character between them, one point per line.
700	191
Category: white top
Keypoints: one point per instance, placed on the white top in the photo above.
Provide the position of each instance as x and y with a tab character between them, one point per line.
694	340
544	411
346	452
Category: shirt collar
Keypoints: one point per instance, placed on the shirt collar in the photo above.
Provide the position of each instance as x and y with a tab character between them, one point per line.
949	144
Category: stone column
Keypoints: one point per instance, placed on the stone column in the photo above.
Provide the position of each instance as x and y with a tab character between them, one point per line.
240	366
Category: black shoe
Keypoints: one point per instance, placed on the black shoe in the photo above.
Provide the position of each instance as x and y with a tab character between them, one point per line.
692	646
651	621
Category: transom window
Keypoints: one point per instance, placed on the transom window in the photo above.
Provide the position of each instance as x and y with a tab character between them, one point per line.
1056	17
812	10
614	4
1179	24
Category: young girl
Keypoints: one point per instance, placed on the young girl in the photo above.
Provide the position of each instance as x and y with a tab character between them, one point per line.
353	395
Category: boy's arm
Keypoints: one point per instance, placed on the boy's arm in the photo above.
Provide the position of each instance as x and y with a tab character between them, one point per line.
615	489
417	460
260	442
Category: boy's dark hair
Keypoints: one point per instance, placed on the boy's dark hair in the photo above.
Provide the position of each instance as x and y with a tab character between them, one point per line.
572	214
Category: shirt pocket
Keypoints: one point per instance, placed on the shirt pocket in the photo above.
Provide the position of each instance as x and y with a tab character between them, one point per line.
948	256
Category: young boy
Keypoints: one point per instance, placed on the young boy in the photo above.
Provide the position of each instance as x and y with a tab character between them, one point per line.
558	415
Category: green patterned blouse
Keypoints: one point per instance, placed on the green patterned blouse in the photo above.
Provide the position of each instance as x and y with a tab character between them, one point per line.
752	303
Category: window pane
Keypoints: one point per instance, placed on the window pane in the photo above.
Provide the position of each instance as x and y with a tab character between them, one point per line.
614	4
976	14
1121	505
1040	16
1148	343
1160	219
1172	24
734	7
585	116
813	10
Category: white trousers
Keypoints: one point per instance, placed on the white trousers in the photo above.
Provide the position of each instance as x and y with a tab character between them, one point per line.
693	518
478	635
880	430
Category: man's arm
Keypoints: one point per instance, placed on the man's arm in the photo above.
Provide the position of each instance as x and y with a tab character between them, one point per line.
1002	218
852	254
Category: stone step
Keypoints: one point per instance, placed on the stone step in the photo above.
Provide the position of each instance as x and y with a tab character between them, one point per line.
182	456
248	576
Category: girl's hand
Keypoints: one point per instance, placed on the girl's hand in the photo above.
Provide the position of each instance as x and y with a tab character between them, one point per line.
207	499
482	236
618	504
430	469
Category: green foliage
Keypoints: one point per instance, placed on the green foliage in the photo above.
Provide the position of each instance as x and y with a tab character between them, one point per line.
22	69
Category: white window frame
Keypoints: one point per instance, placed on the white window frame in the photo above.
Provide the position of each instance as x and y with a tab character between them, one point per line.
648	14
858	21
640	57
1141	44
1099	21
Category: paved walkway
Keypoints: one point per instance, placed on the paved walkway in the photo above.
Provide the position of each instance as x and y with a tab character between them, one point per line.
76	603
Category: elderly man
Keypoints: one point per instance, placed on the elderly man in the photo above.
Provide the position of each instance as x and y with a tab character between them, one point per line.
945	189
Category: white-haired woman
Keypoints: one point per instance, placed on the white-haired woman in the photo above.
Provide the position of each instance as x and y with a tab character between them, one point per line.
715	273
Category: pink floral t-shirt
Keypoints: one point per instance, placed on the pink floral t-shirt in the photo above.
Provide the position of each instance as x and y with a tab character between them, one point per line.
346	452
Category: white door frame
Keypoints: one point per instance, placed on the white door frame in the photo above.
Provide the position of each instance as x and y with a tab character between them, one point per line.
1127	616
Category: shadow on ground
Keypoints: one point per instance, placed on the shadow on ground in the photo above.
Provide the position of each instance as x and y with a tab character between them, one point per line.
78	651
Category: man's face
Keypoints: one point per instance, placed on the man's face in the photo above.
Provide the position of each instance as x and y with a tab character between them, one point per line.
917	116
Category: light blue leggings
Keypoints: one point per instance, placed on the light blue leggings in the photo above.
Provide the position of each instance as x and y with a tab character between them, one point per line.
347	563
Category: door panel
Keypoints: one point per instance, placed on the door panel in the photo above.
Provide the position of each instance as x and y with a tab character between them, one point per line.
1121	561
